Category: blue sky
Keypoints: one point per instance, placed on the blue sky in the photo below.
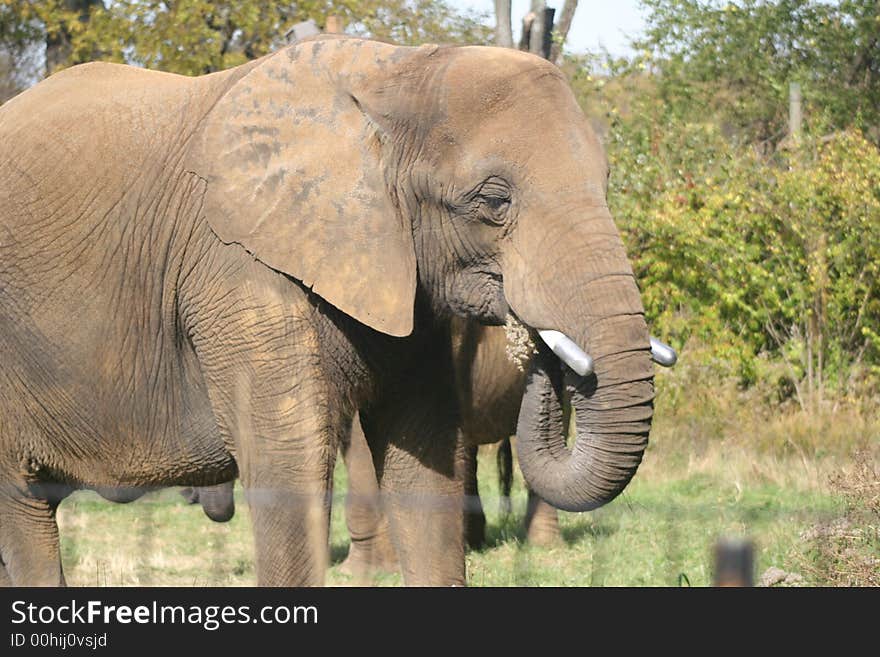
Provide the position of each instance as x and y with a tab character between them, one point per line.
596	23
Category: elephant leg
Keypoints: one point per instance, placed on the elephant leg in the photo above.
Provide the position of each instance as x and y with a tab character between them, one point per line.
29	547
260	359
474	517
283	431
504	461
542	522
420	475
286	471
371	548
287	484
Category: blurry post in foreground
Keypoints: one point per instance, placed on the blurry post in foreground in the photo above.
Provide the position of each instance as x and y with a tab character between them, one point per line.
734	562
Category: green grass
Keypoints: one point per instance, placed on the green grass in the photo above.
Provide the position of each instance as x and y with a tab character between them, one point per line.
722	461
660	532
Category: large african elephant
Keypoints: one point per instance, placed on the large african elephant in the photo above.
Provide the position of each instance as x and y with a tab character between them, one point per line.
203	277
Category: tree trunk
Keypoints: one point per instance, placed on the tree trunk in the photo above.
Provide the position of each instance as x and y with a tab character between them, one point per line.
9	86
537	30
503	29
536	34
525	34
562	29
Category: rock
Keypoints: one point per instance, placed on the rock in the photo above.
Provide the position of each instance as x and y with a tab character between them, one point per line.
774	576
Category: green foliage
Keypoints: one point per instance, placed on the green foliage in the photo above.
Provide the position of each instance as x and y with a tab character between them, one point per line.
413	22
757	249
735	60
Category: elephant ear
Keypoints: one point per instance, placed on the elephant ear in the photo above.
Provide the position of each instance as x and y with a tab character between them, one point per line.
292	164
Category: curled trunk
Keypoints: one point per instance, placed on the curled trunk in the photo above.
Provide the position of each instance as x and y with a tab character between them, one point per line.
613	420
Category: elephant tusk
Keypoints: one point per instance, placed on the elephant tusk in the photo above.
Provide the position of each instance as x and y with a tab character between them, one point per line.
663	354
570	354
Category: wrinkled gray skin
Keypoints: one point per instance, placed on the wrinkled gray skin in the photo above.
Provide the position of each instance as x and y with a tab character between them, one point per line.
205	277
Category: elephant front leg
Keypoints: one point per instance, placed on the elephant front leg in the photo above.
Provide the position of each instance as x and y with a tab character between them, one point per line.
286	468
30	554
422	488
291	527
286	449
283	431
371	549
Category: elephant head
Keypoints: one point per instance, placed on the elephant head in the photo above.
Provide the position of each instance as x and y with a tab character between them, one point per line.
470	175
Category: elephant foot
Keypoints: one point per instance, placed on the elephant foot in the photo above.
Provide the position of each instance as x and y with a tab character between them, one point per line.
369	557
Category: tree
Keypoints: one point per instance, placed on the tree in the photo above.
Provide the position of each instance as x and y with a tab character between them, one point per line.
8	85
758	250
736	59
56	29
538	28
562	29
201	36
503	27
413	22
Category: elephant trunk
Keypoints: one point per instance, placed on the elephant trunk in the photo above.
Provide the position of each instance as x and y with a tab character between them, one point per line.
612	425
601	312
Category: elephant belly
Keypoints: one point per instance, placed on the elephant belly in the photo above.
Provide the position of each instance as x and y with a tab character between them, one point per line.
70	422
490	414
173	447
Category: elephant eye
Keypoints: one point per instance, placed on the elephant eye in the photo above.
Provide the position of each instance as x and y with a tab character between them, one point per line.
493	199
496	202
493	209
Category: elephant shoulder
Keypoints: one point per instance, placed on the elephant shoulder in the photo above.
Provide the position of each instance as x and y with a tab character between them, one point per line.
101	122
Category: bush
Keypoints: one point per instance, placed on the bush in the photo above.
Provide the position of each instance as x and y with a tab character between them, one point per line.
767	262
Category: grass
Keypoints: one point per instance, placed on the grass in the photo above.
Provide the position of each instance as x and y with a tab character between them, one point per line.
716	467
660	532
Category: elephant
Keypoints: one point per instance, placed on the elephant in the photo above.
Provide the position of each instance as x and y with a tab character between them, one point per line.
490	381
204	277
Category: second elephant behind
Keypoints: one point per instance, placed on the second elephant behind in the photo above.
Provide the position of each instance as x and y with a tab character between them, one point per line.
490	368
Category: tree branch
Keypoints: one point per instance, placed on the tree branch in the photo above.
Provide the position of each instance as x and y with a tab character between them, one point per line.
563	26
536	33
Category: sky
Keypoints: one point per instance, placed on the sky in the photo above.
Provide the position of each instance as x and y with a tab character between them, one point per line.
596	23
